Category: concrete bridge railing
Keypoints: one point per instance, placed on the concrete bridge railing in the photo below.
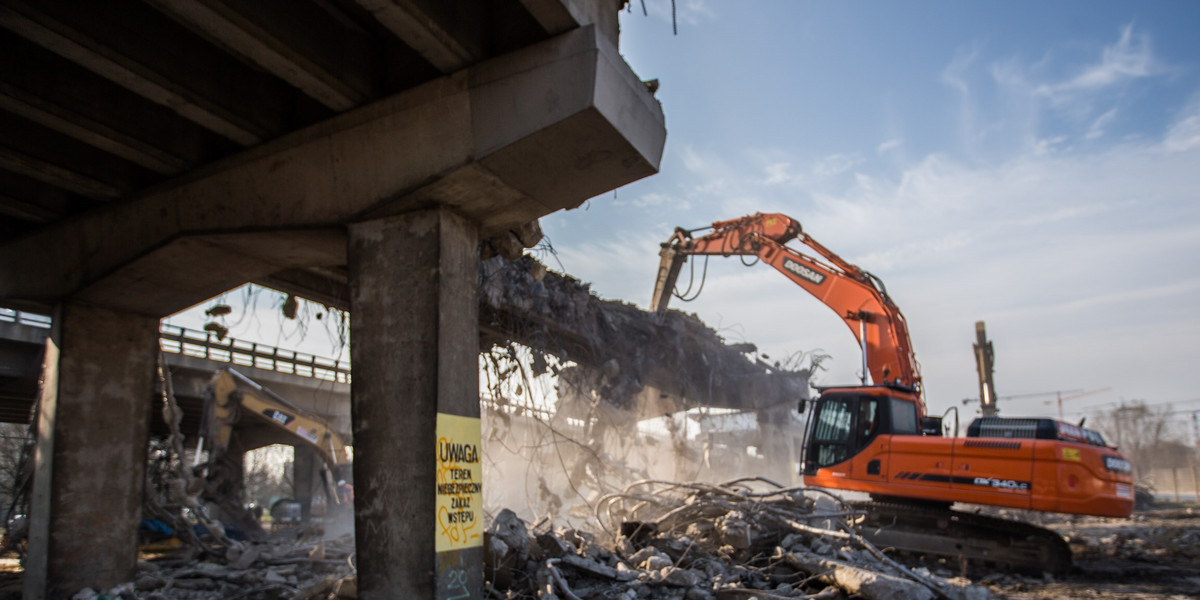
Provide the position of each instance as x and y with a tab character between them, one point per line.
209	346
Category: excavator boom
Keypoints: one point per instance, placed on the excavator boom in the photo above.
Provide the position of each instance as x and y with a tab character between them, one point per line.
857	296
235	395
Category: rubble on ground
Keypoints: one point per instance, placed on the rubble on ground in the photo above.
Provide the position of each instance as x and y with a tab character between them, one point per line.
683	541
298	566
1151	555
745	539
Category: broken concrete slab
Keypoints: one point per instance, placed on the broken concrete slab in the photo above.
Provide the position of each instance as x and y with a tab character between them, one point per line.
657	361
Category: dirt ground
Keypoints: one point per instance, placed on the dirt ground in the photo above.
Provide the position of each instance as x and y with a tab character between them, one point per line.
1153	555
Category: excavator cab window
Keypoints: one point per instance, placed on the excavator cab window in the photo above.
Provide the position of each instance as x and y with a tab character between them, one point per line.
829	442
845	423
904	417
841	427
868	420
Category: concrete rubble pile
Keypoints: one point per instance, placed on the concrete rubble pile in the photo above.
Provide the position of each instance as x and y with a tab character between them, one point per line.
302	568
744	539
622	350
1166	538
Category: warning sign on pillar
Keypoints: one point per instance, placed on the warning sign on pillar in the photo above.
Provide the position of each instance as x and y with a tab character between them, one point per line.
459	483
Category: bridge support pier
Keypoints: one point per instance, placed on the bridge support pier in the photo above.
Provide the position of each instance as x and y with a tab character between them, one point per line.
304	468
93	426
415	406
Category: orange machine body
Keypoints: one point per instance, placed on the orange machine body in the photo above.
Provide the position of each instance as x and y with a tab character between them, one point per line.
868	439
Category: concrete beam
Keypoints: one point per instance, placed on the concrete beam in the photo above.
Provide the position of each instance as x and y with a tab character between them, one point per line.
502	143
67	179
221	24
44	31
88	131
410	22
557	16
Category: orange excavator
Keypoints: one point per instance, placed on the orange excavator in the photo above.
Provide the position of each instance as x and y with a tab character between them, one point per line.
877	438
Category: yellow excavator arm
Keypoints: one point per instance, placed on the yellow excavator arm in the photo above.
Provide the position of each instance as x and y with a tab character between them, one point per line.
235	396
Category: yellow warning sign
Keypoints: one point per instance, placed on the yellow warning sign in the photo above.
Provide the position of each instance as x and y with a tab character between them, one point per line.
1071	454
459	483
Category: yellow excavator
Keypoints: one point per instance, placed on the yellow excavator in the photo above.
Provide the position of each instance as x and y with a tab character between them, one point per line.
233	397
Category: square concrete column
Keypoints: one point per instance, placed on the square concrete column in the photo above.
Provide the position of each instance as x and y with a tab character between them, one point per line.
93	427
304	470
414	337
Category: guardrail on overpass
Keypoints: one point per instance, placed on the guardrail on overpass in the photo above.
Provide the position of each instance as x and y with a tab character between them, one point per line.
207	345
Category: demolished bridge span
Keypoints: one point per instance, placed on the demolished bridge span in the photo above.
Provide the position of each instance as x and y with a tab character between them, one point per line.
650	363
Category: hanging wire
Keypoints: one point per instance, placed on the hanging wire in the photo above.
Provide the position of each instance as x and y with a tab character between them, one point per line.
691	281
546	248
674	21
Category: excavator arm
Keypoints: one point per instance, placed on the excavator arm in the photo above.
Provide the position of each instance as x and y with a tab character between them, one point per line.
234	396
857	296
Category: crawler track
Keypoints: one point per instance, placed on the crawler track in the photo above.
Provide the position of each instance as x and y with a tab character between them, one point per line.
932	530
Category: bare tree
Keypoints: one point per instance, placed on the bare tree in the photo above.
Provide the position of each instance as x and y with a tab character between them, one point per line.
14	438
1147	434
268	474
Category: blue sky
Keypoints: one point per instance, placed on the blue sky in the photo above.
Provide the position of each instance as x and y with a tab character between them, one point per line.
1033	165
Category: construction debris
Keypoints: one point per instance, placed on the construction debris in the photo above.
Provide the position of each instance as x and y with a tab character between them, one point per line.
281	569
629	357
737	541
745	539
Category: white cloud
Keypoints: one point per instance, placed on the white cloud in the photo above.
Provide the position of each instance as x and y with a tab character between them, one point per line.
834	164
1101	83
1098	126
652	200
1184	133
889	145
1044	147
1052	103
778	173
696	162
1127	59
955	74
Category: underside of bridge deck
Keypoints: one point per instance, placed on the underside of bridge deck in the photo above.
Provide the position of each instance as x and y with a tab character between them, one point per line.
158	152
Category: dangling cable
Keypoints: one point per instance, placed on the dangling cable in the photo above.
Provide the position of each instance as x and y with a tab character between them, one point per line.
703	276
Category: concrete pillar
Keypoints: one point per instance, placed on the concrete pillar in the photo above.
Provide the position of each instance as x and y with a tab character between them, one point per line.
415	406
304	484
93	427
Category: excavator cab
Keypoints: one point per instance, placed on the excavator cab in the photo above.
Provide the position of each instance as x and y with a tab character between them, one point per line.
845	421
